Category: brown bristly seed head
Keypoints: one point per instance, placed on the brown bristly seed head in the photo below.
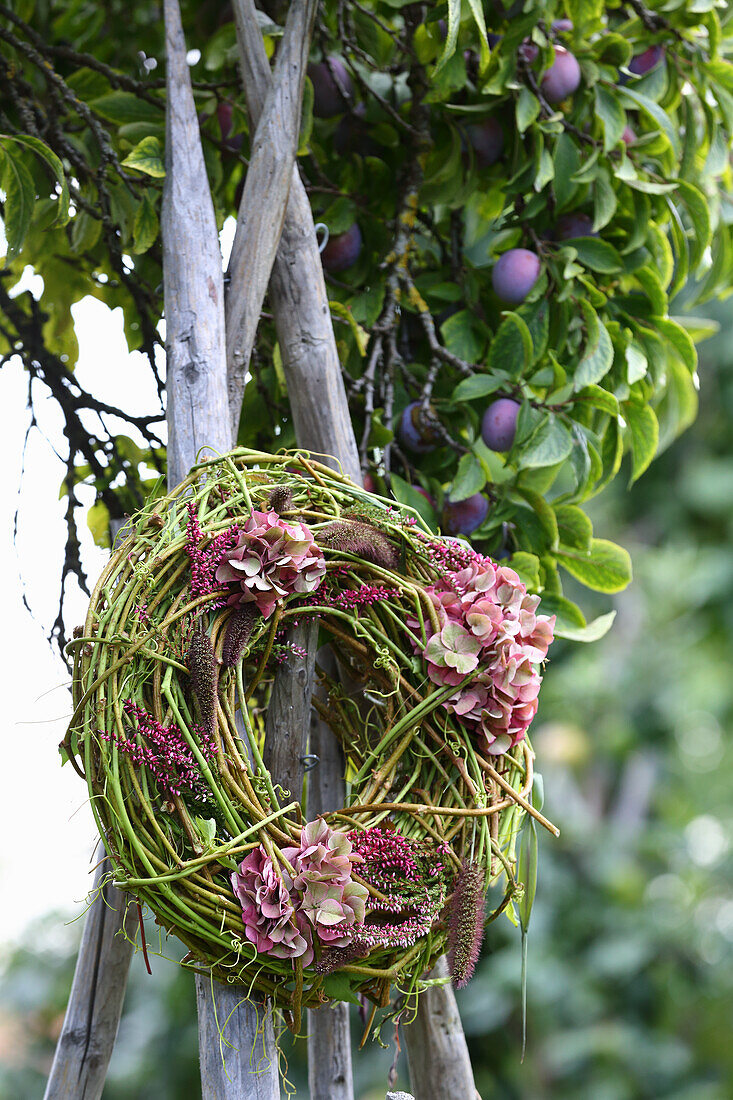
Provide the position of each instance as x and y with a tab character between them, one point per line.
204	671
361	539
280	499
466	922
238	633
333	958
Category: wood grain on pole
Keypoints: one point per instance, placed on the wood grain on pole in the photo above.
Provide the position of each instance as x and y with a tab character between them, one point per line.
244	1063
193	285
289	711
198	417
437	1053
265	196
97	992
298	292
329	1037
322	424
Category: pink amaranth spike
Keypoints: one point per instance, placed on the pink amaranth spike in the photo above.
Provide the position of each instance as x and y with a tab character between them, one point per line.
164	751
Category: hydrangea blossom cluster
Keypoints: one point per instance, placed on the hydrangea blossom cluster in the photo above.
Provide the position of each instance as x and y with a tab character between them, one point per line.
488	646
282	914
411	876
164	751
269	560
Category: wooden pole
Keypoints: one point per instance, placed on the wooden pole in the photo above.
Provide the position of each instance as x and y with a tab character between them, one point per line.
322	423
437	1054
97	992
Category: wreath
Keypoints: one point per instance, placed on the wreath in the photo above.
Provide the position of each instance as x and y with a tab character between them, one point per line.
427	672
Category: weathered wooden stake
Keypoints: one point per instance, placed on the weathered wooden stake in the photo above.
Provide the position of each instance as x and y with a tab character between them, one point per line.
198	417
97	992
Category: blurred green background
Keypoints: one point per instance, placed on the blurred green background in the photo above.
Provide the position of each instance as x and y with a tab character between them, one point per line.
630	978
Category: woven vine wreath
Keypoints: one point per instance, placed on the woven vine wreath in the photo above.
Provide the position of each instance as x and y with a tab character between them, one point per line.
431	683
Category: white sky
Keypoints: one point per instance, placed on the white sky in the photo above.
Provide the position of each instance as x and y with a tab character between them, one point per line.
46	827
47	834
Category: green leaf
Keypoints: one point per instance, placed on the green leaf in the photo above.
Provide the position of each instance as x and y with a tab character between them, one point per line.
306	120
605	201
338	987
85	231
528	107
470	478
697	208
575	529
361	336
656	113
606	569
511	348
600	399
612	115
42	150
550	443
98	523
593	632
644	428
464	335
408	494
122	107
597	357
451	38
527	870
596	254
20	198
475	386
147	157
527	567
545	514
568	614
680	340
145	231
637	363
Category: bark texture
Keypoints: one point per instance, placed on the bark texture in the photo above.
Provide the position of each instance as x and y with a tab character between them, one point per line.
264	199
436	1046
97	992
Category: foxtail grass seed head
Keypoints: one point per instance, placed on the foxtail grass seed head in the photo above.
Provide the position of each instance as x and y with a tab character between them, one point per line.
362	540
466	922
204	672
238	633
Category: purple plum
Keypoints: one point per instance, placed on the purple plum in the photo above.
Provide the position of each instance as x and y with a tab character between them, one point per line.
342	251
461	517
487	140
331	86
499	425
414	434
563	76
514	275
224	113
628	137
528	51
573	225
562	26
644	62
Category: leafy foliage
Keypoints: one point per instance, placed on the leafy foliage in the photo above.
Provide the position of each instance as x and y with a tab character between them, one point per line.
448	146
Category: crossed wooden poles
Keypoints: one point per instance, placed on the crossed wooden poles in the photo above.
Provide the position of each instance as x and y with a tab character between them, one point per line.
209	339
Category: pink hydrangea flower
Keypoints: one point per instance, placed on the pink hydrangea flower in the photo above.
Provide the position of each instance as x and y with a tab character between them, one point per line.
282	914
489	645
271	559
267	911
330	901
